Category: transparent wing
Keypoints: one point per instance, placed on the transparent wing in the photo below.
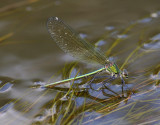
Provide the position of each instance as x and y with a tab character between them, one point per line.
70	42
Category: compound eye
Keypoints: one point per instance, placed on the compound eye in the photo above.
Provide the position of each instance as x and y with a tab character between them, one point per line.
125	73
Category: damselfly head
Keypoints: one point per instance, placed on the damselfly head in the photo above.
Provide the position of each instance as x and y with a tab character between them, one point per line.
124	73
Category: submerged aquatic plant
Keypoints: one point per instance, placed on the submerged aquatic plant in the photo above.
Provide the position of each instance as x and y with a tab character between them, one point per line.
79	103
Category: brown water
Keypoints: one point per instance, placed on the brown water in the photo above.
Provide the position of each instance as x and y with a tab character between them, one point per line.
29	56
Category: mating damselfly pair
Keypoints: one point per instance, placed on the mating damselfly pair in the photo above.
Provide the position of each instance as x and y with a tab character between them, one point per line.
70	42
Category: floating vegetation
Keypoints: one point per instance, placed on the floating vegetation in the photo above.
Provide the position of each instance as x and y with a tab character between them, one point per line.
91	100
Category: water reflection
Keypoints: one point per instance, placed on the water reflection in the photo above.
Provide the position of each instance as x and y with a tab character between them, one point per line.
29	55
5	108
76	98
6	87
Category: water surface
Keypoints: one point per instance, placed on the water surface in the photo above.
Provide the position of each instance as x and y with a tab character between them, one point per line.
29	56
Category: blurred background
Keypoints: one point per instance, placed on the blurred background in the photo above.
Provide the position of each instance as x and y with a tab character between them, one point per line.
127	31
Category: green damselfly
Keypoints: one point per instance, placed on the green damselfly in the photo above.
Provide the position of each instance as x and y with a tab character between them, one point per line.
70	42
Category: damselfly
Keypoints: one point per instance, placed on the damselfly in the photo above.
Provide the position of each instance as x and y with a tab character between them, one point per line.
70	42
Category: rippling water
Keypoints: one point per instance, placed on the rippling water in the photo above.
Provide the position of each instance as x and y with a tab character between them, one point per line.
127	31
